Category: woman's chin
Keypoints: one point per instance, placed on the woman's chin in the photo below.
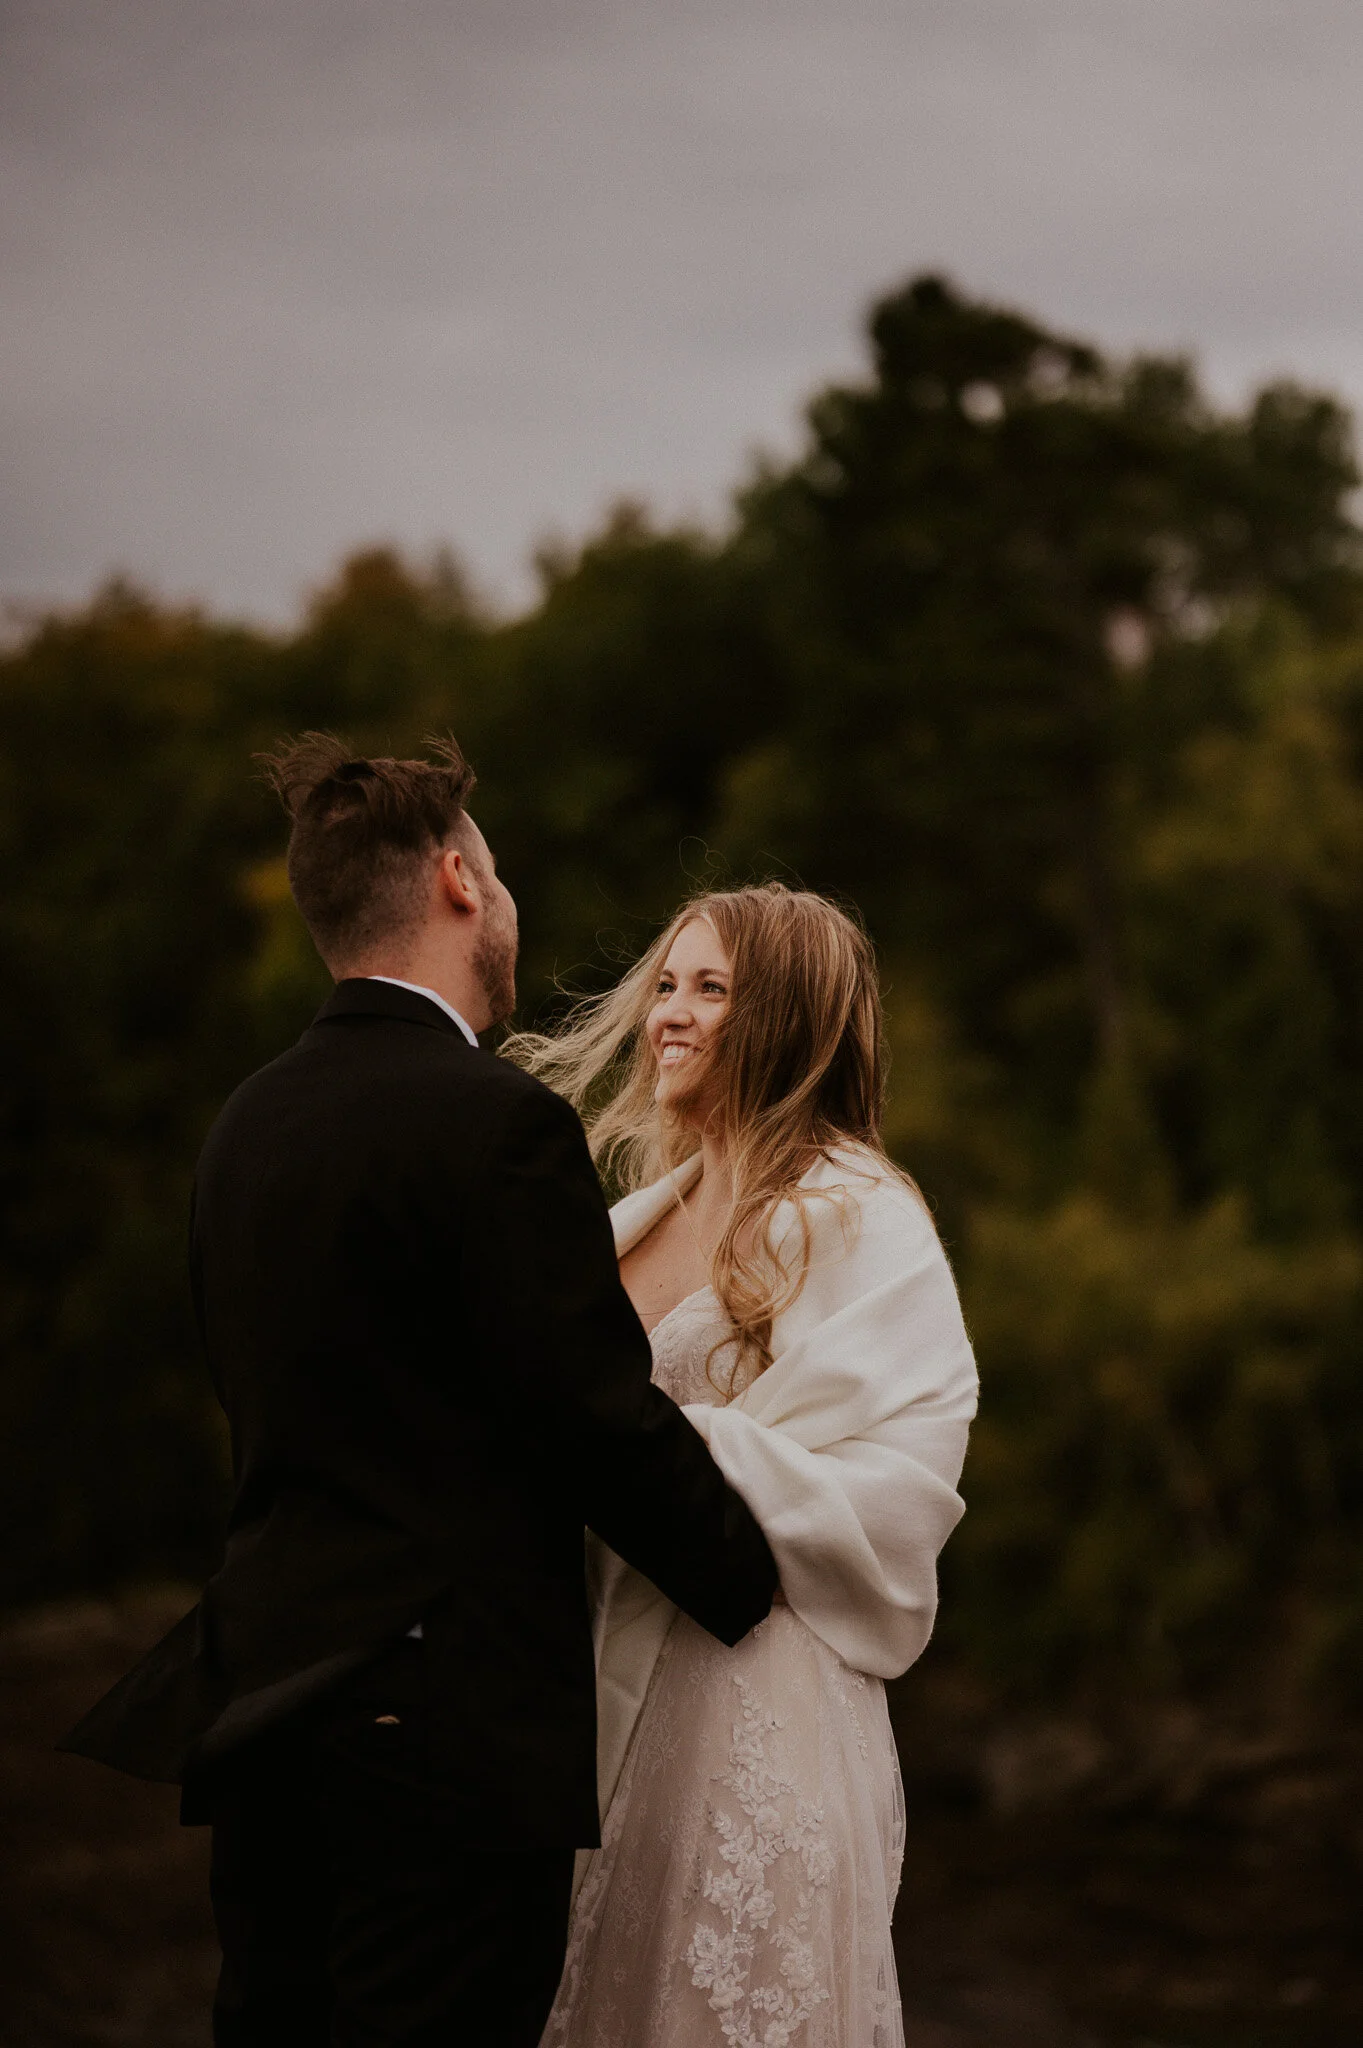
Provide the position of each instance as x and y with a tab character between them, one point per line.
680	1104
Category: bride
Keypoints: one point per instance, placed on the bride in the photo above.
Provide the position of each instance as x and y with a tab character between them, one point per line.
801	1308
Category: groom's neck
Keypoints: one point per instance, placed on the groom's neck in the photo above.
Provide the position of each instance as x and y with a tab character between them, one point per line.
452	978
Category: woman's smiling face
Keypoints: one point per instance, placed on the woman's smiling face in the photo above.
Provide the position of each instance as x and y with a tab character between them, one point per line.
688	1007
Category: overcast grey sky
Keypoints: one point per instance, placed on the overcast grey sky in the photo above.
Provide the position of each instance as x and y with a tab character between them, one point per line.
284	276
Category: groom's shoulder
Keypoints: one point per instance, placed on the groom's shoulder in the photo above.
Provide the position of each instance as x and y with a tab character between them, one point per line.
473	1106
429	1078
521	1101
511	1115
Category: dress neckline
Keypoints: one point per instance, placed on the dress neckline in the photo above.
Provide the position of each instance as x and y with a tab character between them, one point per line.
677	1308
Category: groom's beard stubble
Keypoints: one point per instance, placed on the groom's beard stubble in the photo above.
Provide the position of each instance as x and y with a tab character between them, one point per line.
494	963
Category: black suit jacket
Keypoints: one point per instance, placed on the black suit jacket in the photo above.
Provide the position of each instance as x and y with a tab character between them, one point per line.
407	1288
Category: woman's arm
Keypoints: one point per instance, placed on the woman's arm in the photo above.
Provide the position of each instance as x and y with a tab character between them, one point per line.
848	1448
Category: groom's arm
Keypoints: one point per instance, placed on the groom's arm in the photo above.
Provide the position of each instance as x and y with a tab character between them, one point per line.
572	1367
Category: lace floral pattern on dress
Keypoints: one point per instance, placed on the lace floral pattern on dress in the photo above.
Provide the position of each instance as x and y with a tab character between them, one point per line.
779	1824
682	1343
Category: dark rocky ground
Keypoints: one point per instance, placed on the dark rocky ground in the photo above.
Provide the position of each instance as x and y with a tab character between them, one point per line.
1189	1885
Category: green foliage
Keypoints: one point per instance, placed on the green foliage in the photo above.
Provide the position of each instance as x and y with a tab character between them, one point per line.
1165	1449
606	723
130	828
1052	668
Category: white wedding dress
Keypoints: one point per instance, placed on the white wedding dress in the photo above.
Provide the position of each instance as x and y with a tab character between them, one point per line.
751	1852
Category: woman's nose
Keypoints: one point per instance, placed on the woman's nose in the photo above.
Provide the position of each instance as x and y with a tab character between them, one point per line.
676	1009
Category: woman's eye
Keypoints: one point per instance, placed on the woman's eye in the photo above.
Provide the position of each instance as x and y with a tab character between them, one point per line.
714	988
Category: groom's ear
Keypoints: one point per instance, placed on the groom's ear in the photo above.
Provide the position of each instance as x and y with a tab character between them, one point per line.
455	879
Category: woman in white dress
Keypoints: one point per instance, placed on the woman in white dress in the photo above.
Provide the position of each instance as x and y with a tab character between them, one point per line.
802	1310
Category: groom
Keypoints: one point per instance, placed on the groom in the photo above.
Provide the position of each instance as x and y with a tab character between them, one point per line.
406	1286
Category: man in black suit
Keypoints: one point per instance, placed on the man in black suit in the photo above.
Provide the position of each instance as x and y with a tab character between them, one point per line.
406	1285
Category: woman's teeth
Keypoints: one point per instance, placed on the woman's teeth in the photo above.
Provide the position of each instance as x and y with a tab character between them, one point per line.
672	1055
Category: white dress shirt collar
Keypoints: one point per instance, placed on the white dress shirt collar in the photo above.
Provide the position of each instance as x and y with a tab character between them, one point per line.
416	990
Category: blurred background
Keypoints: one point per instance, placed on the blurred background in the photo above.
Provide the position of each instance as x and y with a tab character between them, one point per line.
909	450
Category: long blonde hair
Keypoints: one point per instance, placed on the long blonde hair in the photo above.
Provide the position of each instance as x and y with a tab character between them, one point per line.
798	1066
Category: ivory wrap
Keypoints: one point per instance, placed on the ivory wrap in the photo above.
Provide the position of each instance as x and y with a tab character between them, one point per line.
847	1449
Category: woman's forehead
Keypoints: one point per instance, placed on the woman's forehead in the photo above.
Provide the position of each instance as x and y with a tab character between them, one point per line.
697	946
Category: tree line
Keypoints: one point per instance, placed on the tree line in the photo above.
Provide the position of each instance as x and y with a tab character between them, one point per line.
1044	661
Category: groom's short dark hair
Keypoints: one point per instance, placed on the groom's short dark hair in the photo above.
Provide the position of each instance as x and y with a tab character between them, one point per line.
362	835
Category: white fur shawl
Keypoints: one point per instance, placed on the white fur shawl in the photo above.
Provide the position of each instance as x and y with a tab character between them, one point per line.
847	1448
